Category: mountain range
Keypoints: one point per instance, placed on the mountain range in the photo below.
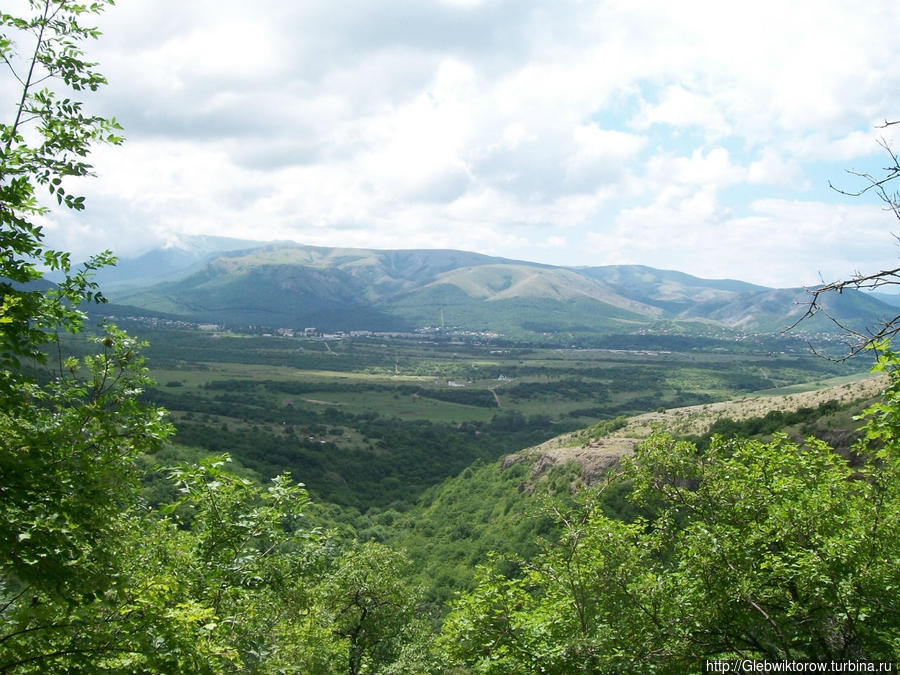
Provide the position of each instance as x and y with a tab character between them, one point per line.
285	284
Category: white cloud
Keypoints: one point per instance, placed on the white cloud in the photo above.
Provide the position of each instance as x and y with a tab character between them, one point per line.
679	107
713	169
820	146
782	243
593	144
773	168
504	126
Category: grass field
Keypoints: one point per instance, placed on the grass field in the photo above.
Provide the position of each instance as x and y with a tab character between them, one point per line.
368	421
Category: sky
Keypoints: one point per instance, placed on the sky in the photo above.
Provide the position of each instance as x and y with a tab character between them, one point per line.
695	136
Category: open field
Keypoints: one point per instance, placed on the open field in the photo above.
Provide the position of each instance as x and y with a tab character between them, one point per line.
374	421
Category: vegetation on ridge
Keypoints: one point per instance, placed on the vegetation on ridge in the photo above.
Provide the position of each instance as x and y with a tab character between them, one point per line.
292	286
746	549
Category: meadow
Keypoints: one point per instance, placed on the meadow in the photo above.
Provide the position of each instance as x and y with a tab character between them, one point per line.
374	421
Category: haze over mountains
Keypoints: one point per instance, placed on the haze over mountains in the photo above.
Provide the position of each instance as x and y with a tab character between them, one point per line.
285	284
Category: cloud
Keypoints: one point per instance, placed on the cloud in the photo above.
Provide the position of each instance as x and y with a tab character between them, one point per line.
713	168
819	146
679	107
599	155
784	243
773	168
694	128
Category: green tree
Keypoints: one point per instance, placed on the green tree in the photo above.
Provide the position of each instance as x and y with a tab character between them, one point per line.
43	146
65	441
772	550
569	610
70	429
372	607
67	487
227	581
220	580
224	579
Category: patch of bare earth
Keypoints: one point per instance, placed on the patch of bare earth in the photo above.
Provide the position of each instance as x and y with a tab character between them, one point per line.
596	455
316	401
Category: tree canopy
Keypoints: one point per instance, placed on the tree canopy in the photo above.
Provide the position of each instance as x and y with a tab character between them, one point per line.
745	549
43	147
754	550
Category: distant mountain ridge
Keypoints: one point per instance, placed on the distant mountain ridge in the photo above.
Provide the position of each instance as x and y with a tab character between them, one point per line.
285	284
176	259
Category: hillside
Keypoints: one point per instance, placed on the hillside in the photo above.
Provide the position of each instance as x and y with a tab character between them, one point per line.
497	506
294	286
595	449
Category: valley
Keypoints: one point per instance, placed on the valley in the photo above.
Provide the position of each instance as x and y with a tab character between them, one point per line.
442	465
373	422
252	455
447	405
442	445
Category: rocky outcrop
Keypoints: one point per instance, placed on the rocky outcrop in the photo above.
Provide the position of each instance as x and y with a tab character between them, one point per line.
597	456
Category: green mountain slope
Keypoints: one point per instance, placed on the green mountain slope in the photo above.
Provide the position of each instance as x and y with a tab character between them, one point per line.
268	294
775	309
174	261
503	506
671	291
295	286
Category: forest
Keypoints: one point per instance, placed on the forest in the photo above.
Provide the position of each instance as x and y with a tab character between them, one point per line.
275	506
374	423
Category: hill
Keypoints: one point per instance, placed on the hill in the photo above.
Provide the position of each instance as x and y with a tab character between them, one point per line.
598	448
497	506
289	285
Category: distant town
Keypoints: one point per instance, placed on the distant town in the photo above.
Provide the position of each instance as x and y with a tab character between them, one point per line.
796	343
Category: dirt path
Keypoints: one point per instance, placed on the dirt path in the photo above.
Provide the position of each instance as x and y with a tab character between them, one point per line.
318	402
496	398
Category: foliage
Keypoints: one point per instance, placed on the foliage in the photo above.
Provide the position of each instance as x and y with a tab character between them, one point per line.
45	145
66	467
772	422
225	577
461	521
370	604
227	589
753	549
68	435
68	483
246	561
